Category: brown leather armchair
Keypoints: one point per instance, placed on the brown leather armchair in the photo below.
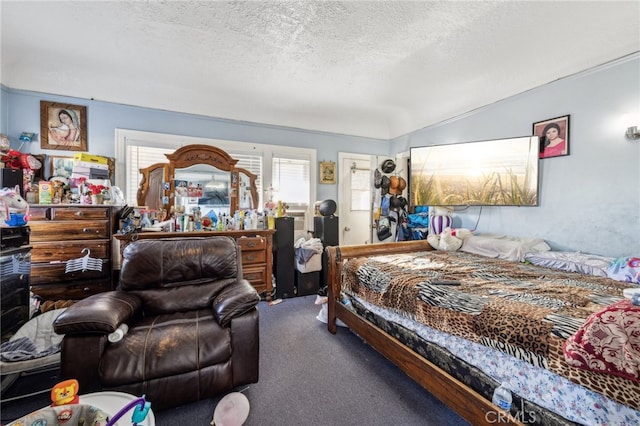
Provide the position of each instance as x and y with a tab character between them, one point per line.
192	318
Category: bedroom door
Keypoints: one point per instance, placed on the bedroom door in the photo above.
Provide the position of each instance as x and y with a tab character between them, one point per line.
354	198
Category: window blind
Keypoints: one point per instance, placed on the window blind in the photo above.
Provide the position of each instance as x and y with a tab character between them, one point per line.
291	181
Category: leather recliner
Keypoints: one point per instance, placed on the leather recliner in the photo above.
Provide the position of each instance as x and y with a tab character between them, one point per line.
192	319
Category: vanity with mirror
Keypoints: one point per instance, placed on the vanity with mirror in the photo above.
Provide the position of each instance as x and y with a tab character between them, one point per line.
206	178
198	176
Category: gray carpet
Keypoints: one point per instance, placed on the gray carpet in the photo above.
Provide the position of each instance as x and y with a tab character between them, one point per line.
309	377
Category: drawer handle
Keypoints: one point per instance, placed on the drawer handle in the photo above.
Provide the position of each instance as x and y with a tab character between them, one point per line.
86	289
79	213
251	257
251	244
87	230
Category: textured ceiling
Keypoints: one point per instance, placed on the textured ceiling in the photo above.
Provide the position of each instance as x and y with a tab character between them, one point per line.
376	69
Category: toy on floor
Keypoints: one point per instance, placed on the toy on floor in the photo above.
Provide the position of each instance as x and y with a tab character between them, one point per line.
140	412
232	410
66	409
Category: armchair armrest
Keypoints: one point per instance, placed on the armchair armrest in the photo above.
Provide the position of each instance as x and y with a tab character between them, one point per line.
235	300
99	313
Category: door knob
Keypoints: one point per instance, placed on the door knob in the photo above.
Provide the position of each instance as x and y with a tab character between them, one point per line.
346	228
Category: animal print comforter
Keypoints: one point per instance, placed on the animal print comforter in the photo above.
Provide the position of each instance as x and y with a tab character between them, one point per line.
524	310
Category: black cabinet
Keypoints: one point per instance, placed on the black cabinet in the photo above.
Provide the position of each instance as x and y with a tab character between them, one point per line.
15	269
284	258
326	229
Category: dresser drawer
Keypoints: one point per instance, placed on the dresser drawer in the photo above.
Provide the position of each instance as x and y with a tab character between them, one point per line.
68	213
66	250
253	257
79	213
48	273
251	243
39	213
72	291
68	230
255	275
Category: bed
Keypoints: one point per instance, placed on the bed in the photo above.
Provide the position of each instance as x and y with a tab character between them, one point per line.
460	323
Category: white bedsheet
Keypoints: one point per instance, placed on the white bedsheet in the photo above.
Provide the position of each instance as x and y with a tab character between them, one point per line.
503	246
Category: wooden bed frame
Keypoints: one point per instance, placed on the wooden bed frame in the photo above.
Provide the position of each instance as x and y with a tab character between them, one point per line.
456	395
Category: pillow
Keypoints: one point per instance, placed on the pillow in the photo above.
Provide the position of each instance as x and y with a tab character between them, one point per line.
502	246
626	269
583	263
608	342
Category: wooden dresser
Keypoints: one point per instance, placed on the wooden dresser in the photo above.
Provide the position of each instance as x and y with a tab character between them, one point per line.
255	246
60	233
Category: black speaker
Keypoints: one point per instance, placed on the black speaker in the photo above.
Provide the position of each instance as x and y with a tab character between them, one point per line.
284	258
9	178
326	228
307	283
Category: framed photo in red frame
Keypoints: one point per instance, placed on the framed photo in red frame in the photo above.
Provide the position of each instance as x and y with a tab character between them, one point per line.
63	126
554	136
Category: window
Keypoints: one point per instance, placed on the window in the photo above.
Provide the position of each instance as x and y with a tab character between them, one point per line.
290	181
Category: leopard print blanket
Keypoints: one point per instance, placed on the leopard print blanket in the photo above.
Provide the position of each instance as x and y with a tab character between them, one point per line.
524	310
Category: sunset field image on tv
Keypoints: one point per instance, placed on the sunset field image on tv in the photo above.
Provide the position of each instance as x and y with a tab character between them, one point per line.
501	172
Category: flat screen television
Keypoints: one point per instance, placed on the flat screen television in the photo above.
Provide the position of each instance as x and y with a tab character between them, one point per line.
501	172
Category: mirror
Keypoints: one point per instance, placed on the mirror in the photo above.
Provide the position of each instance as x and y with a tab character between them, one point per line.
198	176
150	190
202	186
247	192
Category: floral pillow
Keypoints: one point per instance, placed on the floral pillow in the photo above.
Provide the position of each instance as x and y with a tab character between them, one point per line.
625	269
608	342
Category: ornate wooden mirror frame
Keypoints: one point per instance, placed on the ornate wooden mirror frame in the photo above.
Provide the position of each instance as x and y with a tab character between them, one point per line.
153	188
150	190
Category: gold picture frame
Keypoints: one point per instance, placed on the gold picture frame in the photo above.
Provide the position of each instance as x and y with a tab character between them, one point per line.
63	126
327	172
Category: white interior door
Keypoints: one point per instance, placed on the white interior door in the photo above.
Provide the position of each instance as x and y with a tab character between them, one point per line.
354	198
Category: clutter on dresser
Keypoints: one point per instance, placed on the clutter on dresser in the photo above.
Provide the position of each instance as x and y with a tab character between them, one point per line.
81	179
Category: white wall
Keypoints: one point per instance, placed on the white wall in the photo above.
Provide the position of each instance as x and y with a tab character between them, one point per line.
588	200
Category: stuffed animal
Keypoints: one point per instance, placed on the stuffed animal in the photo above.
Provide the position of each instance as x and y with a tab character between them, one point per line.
449	239
461	233
448	242
13	208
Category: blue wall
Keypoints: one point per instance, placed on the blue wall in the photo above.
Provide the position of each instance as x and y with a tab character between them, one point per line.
588	200
23	114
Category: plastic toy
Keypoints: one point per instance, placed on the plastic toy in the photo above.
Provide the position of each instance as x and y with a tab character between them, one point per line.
65	393
140	412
